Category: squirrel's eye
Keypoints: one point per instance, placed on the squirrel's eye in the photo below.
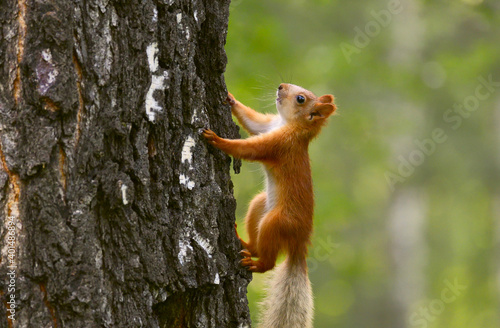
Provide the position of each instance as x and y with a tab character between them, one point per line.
301	99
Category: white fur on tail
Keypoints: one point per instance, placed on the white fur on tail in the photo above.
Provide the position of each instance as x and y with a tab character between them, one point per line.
289	302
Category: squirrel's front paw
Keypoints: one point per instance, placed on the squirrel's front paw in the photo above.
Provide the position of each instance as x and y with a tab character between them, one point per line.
210	135
230	99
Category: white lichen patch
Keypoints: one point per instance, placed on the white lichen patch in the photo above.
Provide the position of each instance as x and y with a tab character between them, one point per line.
183	251
185	248
152	105
199	116
46	72
187	154
155	15
183	180
152	52
52	76
124	194
204	243
187	157
195	116
47	55
182	27
196	16
158	80
217	278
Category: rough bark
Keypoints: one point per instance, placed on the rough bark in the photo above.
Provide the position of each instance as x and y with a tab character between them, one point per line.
123	216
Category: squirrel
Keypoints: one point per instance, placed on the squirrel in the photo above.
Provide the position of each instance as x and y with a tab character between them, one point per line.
281	218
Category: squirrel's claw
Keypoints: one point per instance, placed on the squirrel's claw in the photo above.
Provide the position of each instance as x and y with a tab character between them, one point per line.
245	253
250	264
209	135
230	99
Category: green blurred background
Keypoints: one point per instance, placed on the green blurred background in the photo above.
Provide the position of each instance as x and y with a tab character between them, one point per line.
406	176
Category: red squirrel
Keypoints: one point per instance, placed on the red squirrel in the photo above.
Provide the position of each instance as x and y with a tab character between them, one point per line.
281	218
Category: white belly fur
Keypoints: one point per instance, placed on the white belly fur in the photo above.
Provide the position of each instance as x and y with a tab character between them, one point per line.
270	190
276	123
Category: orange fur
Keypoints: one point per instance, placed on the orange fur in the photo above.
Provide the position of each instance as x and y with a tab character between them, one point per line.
245	115
281	219
284	153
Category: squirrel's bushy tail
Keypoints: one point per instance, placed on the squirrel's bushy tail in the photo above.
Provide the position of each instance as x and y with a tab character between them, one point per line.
289	301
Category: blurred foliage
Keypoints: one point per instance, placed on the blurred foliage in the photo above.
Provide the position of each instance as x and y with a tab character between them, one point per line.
377	260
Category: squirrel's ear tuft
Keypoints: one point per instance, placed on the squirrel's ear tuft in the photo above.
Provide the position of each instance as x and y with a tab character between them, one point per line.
326	99
322	110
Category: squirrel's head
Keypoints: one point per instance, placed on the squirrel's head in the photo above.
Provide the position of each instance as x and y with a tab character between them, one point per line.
296	104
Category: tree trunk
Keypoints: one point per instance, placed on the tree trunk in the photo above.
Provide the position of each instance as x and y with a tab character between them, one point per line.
115	212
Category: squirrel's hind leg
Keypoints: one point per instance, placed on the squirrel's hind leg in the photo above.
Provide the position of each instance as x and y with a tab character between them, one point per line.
256	210
269	243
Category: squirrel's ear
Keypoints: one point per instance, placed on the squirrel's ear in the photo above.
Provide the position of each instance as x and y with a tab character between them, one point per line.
322	110
326	99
